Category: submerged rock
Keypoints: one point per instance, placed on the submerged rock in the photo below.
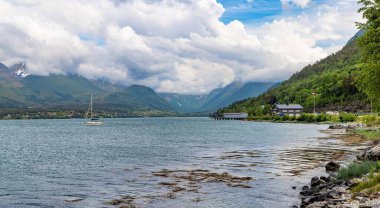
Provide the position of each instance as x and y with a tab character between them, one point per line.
72	200
115	202
332	166
125	202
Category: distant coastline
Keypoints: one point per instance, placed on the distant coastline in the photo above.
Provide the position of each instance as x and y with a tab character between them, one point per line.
31	114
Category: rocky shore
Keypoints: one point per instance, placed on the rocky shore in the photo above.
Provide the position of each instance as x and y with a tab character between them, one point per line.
330	192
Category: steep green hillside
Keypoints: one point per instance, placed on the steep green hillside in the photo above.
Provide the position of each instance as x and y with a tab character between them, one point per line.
232	93
332	79
57	89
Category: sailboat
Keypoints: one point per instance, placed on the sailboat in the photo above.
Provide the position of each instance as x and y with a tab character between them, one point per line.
93	121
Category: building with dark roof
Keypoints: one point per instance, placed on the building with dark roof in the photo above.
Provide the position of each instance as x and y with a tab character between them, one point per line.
287	109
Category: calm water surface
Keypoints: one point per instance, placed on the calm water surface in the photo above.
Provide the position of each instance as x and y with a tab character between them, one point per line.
47	163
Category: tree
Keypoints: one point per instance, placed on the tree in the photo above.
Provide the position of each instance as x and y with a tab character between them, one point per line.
369	79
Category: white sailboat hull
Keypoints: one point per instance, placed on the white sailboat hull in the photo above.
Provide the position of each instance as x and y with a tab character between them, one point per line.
93	123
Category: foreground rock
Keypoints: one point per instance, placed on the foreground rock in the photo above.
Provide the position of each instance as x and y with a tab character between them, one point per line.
372	153
347	126
329	192
332	166
326	192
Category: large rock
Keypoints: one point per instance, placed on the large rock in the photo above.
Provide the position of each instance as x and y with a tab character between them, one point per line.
317	204
332	166
372	153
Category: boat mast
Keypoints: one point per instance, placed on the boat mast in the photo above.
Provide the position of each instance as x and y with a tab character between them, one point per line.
91	107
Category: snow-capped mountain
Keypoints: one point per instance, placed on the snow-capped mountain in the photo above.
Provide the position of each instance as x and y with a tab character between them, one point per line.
19	70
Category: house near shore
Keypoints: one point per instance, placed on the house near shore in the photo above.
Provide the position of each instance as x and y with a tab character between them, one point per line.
287	109
235	116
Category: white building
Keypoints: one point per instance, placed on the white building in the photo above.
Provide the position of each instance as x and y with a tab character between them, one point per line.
287	109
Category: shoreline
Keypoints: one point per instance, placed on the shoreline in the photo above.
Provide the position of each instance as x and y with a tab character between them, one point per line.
328	191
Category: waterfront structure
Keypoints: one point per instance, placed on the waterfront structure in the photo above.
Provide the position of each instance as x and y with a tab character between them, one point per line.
287	109
235	115
231	116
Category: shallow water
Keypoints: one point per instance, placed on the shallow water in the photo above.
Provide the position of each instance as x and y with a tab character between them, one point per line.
62	163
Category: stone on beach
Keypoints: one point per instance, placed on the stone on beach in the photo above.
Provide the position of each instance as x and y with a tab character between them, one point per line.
332	166
372	153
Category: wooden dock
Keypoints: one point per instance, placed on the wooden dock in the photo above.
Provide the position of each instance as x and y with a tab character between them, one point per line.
222	118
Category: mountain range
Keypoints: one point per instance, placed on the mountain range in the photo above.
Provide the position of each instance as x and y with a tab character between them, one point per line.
20	90
217	98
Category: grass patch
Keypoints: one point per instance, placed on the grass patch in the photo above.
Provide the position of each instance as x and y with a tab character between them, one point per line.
357	170
371	186
369	120
368	134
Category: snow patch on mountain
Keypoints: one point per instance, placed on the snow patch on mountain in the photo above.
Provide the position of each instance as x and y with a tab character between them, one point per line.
19	70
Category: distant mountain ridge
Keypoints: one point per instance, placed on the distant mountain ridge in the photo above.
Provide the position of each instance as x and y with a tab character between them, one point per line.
20	89
220	97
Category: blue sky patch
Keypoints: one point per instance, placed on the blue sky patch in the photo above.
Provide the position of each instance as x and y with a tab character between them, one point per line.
90	38
259	11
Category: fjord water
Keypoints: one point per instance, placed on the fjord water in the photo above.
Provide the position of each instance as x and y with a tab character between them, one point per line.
51	163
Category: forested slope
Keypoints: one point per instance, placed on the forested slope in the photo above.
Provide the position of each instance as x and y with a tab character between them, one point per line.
332	79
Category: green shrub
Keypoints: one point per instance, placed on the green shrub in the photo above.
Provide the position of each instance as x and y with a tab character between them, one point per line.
356	170
302	117
286	118
268	117
334	118
347	117
323	117
369	120
307	117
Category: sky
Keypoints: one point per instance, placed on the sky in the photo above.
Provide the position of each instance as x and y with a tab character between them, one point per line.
177	46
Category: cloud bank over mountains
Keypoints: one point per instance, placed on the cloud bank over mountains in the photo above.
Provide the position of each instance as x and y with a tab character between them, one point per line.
170	45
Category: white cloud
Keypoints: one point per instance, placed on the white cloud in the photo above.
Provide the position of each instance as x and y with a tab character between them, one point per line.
169	45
